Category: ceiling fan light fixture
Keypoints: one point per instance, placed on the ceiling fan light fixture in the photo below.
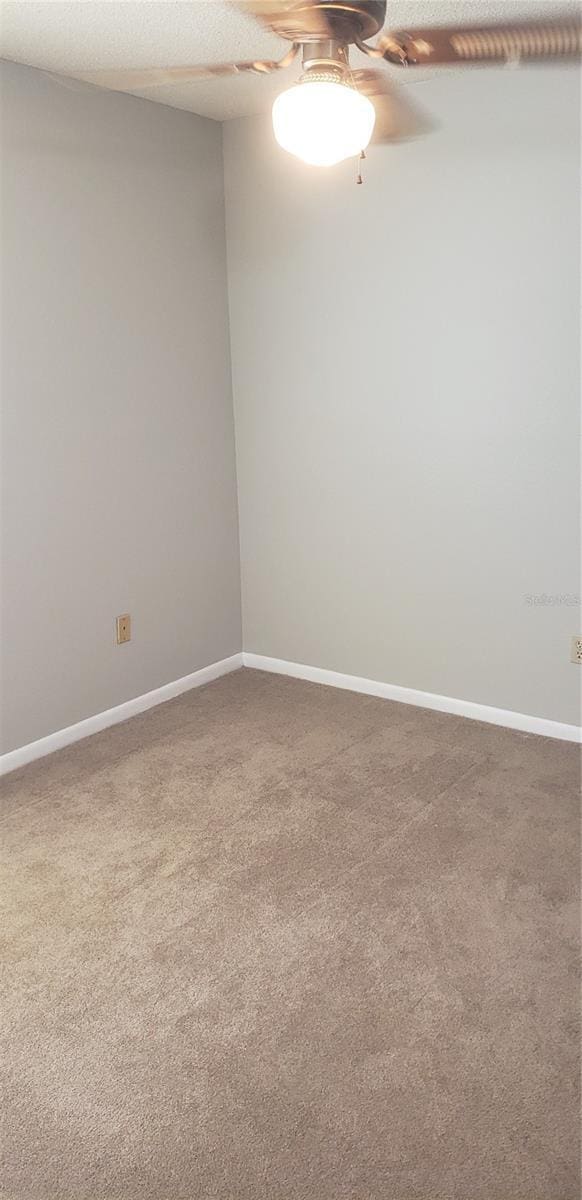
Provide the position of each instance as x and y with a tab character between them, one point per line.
323	120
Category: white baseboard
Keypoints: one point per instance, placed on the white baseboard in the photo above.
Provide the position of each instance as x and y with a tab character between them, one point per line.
403	695
112	716
353	683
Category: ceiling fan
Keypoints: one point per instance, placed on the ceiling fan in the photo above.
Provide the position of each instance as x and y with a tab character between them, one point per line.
332	112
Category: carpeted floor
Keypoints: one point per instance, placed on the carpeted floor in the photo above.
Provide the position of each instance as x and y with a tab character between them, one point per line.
273	941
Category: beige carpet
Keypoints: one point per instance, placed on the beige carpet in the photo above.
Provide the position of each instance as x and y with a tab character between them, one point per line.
272	941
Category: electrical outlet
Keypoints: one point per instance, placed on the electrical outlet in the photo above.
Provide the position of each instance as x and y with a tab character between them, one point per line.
123	629
576	653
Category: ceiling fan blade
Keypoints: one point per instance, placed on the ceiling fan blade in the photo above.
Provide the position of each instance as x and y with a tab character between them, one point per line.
510	42
297	20
396	117
123	80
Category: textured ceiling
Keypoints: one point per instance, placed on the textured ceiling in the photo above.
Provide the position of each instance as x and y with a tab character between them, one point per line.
85	35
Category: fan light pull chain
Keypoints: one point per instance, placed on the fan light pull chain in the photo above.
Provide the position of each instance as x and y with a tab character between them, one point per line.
359	160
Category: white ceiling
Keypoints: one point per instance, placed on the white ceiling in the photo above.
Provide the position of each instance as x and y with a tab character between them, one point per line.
72	36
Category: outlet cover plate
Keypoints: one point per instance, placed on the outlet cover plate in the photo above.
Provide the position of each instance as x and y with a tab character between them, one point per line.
123	629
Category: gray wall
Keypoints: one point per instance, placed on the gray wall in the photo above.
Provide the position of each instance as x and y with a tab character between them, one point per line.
407	385
118	453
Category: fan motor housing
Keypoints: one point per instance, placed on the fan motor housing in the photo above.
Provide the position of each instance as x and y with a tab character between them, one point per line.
348	20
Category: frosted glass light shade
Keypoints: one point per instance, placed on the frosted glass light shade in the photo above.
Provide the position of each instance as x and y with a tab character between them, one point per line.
322	121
